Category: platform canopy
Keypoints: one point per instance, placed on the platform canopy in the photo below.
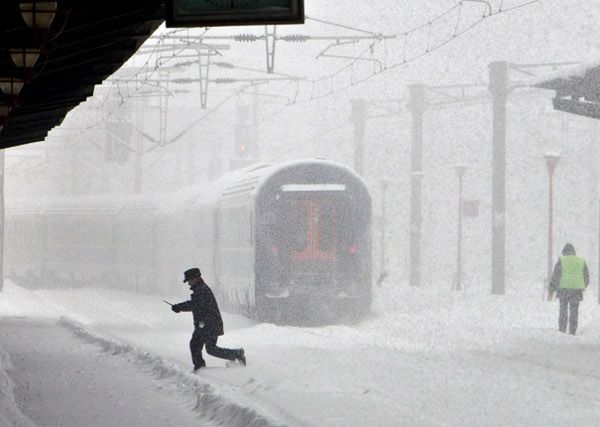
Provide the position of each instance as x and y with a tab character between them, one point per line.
53	53
577	90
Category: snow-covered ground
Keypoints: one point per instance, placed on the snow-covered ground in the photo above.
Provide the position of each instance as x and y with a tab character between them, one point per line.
61	380
423	358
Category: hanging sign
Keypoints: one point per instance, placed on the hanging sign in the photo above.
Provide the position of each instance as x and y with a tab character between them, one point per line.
211	13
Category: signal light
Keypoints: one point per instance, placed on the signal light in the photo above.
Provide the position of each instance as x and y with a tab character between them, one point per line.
353	249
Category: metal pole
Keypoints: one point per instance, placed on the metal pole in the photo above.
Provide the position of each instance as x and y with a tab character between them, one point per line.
139	150
551	162
74	169
255	122
461	171
498	75
384	185
359	120
417	108
2	155
550	228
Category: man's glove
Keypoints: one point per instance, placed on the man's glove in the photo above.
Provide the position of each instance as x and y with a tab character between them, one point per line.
175	308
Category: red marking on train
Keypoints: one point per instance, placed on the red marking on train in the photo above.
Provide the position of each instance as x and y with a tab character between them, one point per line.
311	248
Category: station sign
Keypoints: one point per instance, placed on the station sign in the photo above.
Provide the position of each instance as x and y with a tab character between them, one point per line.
213	13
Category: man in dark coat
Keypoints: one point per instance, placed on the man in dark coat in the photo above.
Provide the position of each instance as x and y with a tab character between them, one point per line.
569	280
208	325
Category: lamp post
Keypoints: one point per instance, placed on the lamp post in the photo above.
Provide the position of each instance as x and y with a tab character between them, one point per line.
551	162
382	275
460	171
416	219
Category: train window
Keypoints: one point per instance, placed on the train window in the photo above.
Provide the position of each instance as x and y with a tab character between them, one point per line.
236	224
327	227
295	225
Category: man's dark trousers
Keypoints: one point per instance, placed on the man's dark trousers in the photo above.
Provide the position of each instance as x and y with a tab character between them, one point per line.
568	309
197	344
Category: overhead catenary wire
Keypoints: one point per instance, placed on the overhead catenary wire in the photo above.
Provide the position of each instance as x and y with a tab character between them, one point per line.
349	73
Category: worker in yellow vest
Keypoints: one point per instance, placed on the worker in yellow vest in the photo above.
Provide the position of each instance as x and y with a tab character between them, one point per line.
569	280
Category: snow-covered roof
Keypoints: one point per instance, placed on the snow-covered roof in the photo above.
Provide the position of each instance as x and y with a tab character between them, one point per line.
580	80
248	179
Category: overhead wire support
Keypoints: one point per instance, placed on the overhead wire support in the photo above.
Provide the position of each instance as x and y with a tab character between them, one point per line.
407	53
270	40
356	67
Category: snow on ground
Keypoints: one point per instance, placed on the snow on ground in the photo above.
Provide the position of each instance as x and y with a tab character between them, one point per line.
424	357
10	413
61	380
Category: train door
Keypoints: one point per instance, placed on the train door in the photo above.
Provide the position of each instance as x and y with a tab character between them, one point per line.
309	240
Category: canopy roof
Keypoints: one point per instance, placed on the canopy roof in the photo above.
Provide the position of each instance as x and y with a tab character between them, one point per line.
86	43
577	91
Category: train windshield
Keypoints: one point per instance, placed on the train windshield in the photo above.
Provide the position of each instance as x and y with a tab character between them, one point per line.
313	240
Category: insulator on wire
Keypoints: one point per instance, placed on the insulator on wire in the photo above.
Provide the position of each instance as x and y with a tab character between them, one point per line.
245	38
224	64
224	80
294	38
182	80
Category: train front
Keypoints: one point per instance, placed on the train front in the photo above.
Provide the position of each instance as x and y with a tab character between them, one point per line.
313	245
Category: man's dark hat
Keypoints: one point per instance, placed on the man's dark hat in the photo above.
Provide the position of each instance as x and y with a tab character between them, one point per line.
190	274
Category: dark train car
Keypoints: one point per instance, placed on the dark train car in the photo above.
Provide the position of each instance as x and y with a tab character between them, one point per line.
287	243
294	243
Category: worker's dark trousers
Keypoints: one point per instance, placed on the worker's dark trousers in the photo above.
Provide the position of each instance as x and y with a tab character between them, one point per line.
572	307
197	344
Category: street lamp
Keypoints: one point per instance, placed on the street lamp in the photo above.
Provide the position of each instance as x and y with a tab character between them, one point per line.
551	162
38	14
460	171
416	219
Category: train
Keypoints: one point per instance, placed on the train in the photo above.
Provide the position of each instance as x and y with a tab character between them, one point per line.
284	243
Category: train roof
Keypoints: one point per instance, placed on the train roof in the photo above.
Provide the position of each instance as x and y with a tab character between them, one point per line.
248	180
82	205
254	178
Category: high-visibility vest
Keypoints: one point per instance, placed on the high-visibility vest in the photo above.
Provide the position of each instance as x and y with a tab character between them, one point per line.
571	272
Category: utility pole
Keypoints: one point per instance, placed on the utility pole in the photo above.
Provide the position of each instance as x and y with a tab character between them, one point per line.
255	122
460	171
203	69
498	79
382	275
417	107
551	162
139	151
74	168
359	120
163	108
270	40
